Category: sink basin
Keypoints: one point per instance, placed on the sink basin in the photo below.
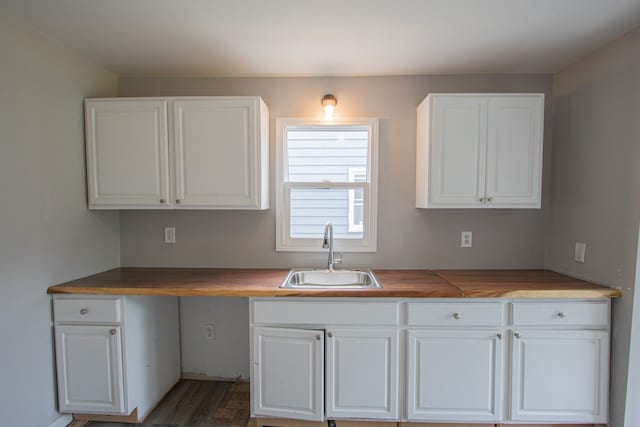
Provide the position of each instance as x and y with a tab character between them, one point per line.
307	278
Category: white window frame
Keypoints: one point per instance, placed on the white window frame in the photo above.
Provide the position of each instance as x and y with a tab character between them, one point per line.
284	242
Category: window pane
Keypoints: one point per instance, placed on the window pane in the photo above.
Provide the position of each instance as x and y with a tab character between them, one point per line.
312	208
327	154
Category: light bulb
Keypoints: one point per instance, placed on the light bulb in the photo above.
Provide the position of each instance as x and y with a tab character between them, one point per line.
329	103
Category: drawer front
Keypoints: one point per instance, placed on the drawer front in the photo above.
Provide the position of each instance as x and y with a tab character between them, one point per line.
455	314
325	312
561	313
87	310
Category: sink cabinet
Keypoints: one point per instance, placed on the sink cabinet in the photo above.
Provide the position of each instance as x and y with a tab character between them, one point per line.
503	361
358	377
177	153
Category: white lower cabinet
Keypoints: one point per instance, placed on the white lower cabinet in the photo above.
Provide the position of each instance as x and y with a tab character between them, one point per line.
431	360
115	355
362	373
90	368
288	373
560	376
454	375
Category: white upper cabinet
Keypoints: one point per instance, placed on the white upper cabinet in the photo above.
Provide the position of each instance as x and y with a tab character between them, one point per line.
185	152
479	151
127	153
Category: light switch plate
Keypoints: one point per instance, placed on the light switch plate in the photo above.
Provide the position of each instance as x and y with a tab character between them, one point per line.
169	234
579	251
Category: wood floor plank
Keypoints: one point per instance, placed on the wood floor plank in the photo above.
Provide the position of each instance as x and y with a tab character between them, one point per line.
193	403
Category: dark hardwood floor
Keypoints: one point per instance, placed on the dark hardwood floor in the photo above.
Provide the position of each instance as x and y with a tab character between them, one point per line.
198	404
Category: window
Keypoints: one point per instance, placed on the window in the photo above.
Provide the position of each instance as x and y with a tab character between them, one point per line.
326	172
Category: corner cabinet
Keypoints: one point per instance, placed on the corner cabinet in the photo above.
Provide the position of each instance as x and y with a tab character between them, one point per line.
177	153
479	151
115	355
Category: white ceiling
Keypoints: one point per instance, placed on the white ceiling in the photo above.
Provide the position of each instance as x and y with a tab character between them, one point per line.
329	37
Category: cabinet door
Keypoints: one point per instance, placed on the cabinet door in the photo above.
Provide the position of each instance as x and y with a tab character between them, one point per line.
127	153
288	373
89	363
362	373
560	376
514	151
454	375
217	153
458	151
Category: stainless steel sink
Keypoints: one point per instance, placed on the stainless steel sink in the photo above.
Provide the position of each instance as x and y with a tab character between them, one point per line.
308	278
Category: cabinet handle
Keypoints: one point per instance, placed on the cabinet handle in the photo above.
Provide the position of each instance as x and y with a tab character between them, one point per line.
84	311
318	338
457	316
162	201
517	335
177	201
499	336
329	334
113	331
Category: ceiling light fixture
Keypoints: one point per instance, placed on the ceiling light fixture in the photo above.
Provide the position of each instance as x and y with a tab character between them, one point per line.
329	105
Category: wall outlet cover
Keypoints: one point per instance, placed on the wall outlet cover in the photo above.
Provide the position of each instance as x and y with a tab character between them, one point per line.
466	239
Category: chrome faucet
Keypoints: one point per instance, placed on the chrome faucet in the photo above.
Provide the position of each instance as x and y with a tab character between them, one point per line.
327	242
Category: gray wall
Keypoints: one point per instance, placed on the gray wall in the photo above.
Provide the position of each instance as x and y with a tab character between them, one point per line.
595	197
407	237
47	235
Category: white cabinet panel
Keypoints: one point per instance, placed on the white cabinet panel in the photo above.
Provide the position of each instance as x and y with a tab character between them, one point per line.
288	373
454	375
479	151
90	375
463	313
514	154
127	153
362	373
217	152
458	151
561	313
560	376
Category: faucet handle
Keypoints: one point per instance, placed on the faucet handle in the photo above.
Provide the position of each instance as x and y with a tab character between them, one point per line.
337	257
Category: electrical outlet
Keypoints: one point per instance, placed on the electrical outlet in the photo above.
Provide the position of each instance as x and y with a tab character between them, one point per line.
210	332
466	239
169	234
579	251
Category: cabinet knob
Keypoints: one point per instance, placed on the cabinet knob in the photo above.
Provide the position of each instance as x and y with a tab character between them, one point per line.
490	200
84	311
517	335
482	200
457	316
329	334
113	331
177	201
562	315
318	337
499	336
162	201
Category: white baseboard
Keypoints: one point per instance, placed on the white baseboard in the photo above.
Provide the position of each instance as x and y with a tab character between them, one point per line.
63	421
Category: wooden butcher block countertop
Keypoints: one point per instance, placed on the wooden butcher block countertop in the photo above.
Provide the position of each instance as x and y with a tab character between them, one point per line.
395	283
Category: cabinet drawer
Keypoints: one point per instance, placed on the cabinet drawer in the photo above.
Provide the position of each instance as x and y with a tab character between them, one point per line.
455	314
560	313
325	312
87	310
